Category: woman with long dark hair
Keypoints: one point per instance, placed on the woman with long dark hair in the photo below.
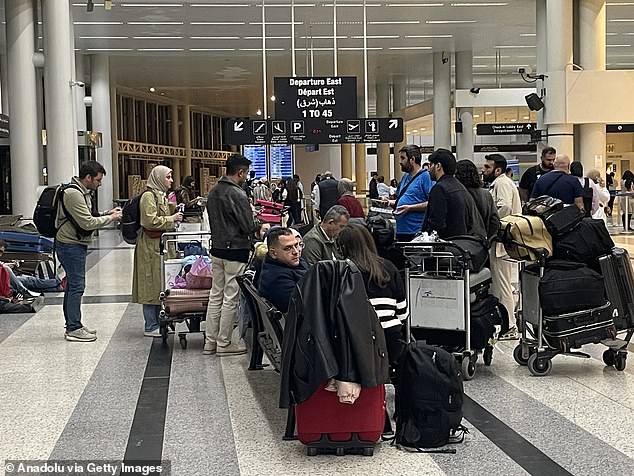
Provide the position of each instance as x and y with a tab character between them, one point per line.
383	283
627	186
294	201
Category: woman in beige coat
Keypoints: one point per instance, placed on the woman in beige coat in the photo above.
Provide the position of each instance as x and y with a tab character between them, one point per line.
156	216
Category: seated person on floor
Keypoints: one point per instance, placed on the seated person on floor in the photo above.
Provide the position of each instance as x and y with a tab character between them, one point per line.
383	284
28	286
282	267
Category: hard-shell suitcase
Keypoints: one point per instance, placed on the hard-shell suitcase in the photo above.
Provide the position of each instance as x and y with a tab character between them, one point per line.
325	425
619	286
25	242
571	331
185	301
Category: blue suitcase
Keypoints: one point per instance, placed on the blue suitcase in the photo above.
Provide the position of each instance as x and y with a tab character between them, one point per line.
26	242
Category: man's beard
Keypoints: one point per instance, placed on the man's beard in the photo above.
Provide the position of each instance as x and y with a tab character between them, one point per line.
407	168
488	178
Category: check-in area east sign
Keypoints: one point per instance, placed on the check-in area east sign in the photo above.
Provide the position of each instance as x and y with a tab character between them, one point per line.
512	128
313	131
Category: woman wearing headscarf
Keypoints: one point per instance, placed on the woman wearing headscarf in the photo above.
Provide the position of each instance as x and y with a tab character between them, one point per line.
156	216
185	194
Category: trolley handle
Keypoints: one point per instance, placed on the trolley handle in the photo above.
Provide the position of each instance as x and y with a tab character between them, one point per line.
173	236
541	253
463	256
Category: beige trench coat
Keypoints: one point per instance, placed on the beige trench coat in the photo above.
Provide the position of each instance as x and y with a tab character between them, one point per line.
146	280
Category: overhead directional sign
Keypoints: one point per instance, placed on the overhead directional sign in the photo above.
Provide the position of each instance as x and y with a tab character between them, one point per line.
325	131
513	128
616	128
324	97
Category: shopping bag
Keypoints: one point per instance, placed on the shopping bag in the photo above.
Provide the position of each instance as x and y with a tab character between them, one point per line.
199	275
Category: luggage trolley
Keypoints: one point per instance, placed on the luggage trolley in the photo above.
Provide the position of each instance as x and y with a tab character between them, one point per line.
180	305
538	345
439	287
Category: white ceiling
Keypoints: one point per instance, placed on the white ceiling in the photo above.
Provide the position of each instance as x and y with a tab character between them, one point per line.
209	52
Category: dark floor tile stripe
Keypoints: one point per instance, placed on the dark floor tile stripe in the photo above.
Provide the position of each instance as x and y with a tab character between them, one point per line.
9	323
146	435
504	437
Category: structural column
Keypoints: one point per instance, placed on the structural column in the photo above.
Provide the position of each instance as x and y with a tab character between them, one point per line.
382	110
360	169
101	122
541	60
80	93
464	80
187	140
61	149
175	141
399	103
559	30
25	173
442	100
4	84
592	26
346	161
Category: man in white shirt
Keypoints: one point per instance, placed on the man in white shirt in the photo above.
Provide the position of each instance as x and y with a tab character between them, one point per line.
507	200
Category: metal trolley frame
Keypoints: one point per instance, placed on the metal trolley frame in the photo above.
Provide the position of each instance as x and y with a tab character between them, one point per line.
169	244
439	297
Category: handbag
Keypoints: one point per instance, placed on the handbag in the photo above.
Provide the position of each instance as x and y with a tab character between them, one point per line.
199	276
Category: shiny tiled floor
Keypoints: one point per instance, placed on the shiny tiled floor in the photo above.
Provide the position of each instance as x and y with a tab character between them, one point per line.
209	416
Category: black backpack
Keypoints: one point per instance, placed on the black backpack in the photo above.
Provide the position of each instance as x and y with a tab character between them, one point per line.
381	230
131	219
45	211
587	197
429	397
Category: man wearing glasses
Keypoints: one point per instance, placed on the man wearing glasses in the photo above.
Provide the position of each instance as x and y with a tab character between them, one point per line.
282	267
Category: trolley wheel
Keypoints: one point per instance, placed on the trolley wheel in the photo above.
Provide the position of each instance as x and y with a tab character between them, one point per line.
621	361
539	366
164	333
468	368
487	355
517	355
340	452
310	451
368	451
609	357
183	340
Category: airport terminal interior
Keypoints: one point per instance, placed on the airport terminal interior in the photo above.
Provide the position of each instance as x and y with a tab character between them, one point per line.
135	84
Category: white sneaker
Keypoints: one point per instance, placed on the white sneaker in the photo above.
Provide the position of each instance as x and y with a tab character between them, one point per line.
511	334
155	333
231	349
210	348
80	335
89	330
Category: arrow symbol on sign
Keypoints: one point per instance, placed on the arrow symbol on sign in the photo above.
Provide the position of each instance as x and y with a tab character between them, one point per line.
238	126
393	124
529	127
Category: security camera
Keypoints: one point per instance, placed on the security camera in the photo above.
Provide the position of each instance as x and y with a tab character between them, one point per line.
81	84
524	70
474	90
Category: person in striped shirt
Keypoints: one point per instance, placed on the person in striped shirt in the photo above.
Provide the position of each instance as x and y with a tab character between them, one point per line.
383	284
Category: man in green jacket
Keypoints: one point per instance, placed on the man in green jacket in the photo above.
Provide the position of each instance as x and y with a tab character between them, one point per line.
320	242
73	237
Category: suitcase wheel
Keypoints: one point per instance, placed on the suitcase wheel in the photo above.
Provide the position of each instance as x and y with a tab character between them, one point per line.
609	357
183	340
517	355
310	451
368	451
340	451
539	366
468	368
620	363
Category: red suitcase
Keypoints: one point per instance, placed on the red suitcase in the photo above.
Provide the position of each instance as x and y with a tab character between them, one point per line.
325	424
185	301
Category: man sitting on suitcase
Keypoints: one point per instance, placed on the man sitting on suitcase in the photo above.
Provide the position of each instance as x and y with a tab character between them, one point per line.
282	267
560	184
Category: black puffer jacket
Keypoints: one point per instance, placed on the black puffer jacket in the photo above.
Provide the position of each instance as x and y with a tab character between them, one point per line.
331	331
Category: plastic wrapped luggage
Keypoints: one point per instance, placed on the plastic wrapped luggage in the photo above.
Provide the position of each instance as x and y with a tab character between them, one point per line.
619	285
183	301
571	331
26	242
326	425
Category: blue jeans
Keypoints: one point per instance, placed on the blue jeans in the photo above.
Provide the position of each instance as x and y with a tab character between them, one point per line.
151	316
33	283
73	259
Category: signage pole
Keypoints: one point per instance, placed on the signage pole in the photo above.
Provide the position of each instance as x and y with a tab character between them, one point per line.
365	56
264	98
293	38
334	35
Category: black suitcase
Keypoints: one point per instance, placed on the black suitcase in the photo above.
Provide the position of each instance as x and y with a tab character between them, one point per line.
485	315
572	330
619	286
570	287
584	243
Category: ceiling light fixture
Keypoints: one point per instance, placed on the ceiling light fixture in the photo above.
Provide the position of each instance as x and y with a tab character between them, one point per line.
155	23
97	23
428	36
152	89
157	37
217	23
410	48
395	22
103	37
415	5
151	5
272	98
486	4
214	37
448	22
375	37
258	112
212	49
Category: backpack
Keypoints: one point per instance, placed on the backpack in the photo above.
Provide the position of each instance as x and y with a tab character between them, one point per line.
587	197
381	230
131	219
429	395
46	211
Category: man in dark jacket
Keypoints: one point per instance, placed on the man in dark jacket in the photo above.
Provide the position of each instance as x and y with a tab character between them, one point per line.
326	193
282	267
232	226
374	192
451	210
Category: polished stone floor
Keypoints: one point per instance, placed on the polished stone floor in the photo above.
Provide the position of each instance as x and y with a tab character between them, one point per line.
126	396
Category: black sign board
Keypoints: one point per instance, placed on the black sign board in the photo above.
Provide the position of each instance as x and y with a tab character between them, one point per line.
4	126
324	131
612	128
325	97
513	128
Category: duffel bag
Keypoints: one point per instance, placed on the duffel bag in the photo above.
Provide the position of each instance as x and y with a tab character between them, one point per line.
475	248
585	243
522	234
541	205
485	315
560	222
567	286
